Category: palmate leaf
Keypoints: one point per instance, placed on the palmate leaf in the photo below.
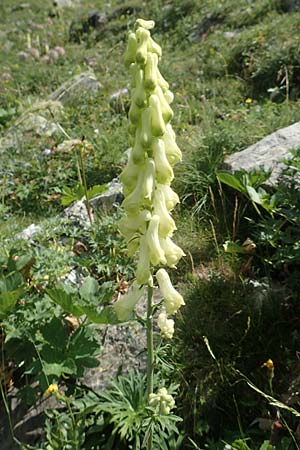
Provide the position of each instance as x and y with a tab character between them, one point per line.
11	289
8	300
66	300
70	195
85	303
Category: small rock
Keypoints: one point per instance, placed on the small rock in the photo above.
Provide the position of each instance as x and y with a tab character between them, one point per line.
230	34
53	55
23	56
111	197
45	59
47	151
63	3
268	153
73	89
119	101
29	232
34	53
77	212
60	51
85	25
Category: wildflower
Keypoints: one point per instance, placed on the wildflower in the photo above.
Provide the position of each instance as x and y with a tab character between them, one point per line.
52	389
165	325
126	304
270	366
248	101
173	300
162	399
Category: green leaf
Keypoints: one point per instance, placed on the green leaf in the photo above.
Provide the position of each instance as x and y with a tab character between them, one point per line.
96	190
231	180
57	369
70	195
266	446
11	282
89	289
254	195
9	299
240	444
107	316
65	300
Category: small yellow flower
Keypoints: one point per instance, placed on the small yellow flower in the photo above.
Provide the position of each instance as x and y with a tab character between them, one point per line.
248	101
52	389
268	364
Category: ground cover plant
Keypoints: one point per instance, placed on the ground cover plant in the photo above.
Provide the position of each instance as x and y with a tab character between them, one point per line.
233	366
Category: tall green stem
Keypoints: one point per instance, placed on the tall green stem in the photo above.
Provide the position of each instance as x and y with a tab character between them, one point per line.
150	353
88	206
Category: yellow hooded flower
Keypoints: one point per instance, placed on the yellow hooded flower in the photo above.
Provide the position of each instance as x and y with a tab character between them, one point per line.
173	300
156	253
125	306
165	325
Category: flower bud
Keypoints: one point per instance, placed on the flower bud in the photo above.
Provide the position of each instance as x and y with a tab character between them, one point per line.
133	201
139	94
164	172
125	306
149	179
173	152
162	82
130	173
153	47
151	71
134	223
173	300
147	24
130	52
142	43
134	113
165	325
167	112
162	399
169	96
166	223
158	126
156	253
143	274
146	134
138	152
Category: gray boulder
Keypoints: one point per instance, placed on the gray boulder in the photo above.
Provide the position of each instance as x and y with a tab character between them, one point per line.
73	89
113	195
268	153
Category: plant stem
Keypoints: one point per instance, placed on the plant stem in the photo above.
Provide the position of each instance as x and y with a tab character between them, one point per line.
88	207
150	354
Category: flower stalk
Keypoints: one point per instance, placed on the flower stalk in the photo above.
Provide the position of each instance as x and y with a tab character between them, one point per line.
148	225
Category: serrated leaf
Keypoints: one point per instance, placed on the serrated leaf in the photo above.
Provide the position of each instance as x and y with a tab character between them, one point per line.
70	195
89	289
106	317
57	369
9	299
65	300
96	190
